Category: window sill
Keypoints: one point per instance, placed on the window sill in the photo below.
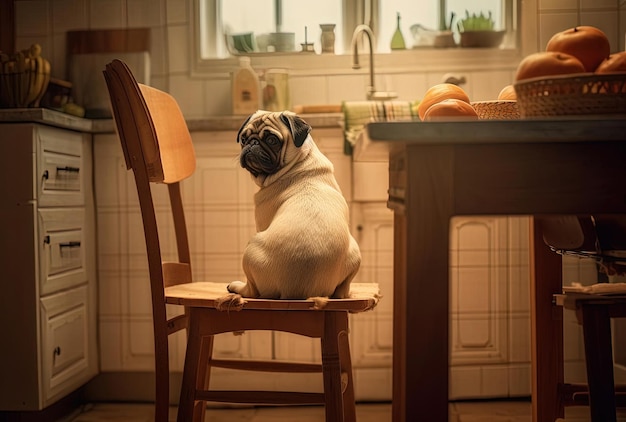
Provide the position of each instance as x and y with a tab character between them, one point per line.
412	60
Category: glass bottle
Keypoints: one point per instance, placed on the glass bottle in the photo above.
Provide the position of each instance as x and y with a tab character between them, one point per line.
397	41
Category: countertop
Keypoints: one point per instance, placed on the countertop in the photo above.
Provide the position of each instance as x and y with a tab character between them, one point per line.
212	123
378	137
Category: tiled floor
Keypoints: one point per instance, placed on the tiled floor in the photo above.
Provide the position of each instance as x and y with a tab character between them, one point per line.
469	411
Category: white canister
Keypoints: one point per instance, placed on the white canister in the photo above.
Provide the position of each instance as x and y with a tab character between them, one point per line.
276	95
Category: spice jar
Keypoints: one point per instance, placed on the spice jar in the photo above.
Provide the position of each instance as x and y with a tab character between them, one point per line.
328	37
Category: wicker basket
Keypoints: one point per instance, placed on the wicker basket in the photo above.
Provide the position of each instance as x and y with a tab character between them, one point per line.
572	95
496	109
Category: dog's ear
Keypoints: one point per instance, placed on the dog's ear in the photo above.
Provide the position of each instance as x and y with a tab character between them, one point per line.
298	127
243	126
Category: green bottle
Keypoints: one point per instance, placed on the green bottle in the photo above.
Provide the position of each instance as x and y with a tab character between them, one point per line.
397	41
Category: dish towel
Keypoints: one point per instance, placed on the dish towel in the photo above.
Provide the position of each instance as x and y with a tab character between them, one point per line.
598	288
356	114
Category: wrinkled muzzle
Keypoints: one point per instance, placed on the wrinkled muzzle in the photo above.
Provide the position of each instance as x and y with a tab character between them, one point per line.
258	159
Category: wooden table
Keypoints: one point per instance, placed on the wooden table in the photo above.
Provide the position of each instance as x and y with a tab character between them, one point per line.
520	167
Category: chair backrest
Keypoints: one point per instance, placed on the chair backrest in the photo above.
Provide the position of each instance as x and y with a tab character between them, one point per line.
588	233
157	146
569	232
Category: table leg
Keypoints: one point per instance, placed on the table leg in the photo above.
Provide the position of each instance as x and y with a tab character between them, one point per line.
546	329
421	286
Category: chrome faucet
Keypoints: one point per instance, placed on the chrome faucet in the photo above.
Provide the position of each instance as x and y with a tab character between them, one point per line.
372	94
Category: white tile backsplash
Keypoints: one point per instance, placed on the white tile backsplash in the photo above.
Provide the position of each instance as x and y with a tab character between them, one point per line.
69	15
32	19
217	97
177	11
145	13
158	56
561	5
45	21
599	4
551	23
347	87
107	14
607	21
309	90
177	48
487	87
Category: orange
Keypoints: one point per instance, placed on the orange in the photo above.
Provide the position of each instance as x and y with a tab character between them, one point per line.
587	43
507	93
616	62
548	63
438	93
448	109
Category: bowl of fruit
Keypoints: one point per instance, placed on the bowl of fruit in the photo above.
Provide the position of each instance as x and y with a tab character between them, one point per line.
24	77
576	74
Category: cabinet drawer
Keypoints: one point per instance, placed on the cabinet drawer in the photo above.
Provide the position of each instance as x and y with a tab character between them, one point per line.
60	167
65	349
62	248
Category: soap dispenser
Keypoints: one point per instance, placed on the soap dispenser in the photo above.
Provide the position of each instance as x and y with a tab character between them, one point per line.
245	88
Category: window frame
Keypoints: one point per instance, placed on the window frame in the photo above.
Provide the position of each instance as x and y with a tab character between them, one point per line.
396	62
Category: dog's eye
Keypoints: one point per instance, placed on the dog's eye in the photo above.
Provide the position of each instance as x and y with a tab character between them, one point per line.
272	139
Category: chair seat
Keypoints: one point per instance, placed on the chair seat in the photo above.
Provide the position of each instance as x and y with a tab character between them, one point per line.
615	303
364	296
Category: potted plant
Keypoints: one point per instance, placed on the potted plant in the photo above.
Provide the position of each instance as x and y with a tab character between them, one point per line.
478	31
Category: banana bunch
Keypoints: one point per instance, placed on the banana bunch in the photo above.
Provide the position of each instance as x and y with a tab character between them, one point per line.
24	77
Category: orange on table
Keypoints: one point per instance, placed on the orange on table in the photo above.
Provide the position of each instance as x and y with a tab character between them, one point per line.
438	93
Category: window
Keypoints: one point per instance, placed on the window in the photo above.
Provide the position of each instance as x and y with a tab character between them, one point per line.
225	28
266	17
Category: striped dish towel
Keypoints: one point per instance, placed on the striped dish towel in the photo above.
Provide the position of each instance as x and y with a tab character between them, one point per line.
356	114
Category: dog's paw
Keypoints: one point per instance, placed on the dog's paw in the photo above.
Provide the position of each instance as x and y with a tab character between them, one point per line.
236	286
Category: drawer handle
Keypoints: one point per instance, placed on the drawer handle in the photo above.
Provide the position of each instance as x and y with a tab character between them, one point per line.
68	169
45	175
73	244
57	351
46	240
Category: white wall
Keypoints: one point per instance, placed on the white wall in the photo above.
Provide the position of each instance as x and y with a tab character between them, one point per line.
47	21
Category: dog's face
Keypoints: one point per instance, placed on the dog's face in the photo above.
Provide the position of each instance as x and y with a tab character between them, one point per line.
266	140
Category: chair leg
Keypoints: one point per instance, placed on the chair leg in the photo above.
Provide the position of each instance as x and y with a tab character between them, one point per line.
331	367
349	409
204	376
599	360
191	371
162	404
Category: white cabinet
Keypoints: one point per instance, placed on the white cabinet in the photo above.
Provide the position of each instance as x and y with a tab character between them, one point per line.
220	217
48	265
489	307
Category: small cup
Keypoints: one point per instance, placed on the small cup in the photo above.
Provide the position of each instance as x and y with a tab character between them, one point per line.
244	42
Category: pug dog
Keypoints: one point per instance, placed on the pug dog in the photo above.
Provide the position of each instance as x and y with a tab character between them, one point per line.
303	247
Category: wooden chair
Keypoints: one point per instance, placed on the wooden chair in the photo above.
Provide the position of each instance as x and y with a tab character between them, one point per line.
593	238
158	148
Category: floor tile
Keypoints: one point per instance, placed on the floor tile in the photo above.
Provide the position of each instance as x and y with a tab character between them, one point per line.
461	411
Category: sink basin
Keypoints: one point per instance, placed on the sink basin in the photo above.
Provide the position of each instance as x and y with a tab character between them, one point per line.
382	96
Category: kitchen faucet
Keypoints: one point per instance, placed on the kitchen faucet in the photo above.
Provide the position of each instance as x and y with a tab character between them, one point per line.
372	94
